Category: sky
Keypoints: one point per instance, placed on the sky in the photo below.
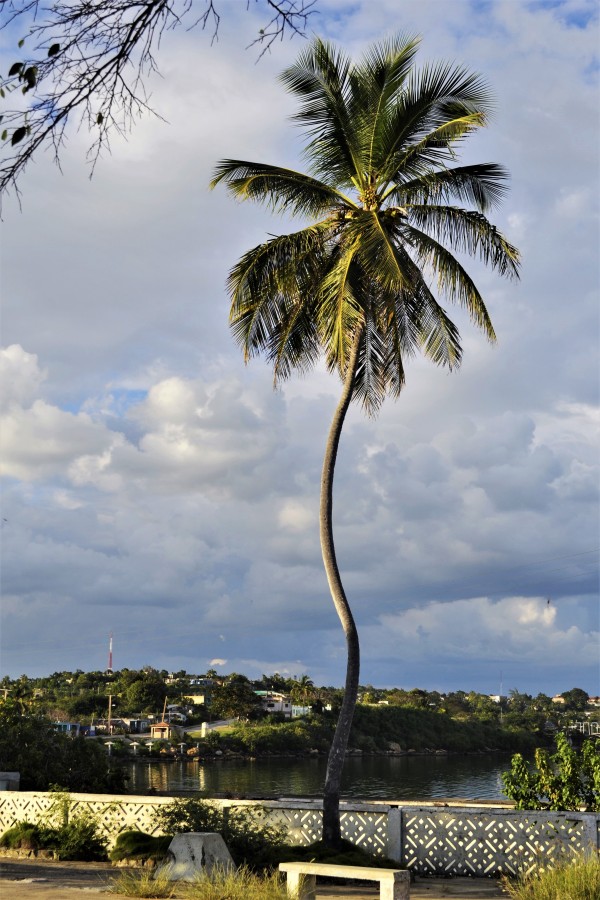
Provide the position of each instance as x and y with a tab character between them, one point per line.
157	488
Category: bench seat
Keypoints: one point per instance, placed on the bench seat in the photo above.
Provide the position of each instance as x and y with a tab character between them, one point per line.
394	884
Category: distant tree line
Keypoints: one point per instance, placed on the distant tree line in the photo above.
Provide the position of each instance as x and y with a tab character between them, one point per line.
83	697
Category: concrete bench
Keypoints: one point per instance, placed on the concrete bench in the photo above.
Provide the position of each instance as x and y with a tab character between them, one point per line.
394	884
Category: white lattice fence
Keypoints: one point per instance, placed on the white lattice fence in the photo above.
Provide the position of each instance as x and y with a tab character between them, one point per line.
490	842
113	813
363	825
431	840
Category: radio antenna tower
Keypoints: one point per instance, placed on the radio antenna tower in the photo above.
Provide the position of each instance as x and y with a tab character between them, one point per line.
110	667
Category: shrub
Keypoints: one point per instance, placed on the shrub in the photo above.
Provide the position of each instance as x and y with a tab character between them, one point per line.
565	780
70	836
245	830
22	836
138	845
578	879
77	839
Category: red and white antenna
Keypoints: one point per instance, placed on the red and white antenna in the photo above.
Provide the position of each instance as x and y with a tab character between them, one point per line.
110	668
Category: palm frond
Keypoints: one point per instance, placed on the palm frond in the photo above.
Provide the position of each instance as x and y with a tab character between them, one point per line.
320	78
412	152
377	250
375	84
266	279
424	322
370	381
284	190
338	311
453	279
482	184
448	88
468	232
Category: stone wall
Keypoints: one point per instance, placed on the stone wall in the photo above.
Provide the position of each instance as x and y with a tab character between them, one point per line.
436	840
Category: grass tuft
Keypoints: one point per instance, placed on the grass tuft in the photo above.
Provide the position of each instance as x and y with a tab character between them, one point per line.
220	885
143	884
241	885
578	879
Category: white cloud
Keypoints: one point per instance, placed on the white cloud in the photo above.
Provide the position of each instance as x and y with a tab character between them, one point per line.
20	377
470	630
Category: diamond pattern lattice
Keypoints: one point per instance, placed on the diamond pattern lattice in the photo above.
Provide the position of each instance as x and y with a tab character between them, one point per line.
450	841
303	826
113	814
468	843
367	830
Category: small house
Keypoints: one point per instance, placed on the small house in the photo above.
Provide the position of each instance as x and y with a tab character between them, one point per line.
164	731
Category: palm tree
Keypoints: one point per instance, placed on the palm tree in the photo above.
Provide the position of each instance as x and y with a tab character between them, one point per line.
387	208
302	689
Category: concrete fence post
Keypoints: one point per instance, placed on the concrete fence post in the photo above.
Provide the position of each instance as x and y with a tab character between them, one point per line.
394	834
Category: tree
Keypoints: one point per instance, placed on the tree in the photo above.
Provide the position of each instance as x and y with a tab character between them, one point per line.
568	779
576	700
353	284
29	744
89	59
236	698
302	689
146	694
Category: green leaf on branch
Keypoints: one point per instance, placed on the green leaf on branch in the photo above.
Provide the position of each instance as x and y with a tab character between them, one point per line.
30	76
15	69
18	135
53	50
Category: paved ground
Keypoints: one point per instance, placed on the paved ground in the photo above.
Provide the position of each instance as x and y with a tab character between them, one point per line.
24	879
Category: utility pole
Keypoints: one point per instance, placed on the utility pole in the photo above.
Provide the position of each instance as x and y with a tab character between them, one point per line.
110	659
110	696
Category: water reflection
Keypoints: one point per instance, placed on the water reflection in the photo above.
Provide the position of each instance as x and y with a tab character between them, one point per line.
383	778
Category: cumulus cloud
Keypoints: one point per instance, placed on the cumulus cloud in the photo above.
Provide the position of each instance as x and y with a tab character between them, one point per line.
470	630
20	377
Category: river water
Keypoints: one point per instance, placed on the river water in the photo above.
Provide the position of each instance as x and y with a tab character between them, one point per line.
370	777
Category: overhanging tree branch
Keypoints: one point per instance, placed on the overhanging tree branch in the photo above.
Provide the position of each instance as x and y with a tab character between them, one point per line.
90	59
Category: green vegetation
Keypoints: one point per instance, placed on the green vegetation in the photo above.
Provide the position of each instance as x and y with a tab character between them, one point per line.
577	879
29	744
138	845
254	845
77	839
144	884
374	727
568	779
243	885
250	838
22	836
458	722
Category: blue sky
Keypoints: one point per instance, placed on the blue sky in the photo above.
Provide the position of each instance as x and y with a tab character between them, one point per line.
158	489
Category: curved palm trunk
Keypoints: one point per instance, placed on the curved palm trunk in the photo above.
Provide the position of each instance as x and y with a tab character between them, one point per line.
337	753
